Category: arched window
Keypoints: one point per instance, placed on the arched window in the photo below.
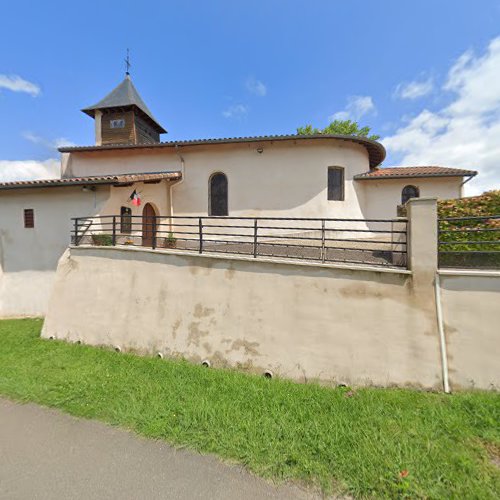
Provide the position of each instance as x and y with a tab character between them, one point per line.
217	195
409	192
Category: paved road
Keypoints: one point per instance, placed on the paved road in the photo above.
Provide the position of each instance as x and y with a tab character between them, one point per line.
45	454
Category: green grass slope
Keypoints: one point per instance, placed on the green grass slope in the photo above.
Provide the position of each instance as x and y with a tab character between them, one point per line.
368	443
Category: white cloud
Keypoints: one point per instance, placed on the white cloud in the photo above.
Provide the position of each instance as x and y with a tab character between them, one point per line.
256	87
18	84
414	90
235	111
53	144
464	133
357	107
23	170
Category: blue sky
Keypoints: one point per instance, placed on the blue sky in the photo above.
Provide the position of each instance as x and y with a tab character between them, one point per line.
414	71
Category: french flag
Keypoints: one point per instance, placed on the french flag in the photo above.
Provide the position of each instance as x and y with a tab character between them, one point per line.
136	200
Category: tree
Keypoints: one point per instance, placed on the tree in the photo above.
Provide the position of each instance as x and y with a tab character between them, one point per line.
342	127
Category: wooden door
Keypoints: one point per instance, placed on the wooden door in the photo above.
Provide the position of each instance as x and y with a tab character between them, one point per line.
148	225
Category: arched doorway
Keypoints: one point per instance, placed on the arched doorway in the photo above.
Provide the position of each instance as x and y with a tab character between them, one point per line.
148	225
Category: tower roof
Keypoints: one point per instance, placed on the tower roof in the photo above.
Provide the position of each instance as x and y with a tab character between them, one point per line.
124	95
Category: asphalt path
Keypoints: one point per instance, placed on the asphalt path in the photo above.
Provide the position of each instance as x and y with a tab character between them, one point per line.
46	454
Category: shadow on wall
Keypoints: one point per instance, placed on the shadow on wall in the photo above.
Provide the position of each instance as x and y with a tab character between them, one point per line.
472	284
39	248
205	264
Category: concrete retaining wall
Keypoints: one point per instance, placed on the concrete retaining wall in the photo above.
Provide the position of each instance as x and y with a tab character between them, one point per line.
470	311
300	321
338	324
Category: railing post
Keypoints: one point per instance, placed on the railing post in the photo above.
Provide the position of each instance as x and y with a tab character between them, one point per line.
255	238
113	238
323	253
76	232
393	246
153	228
200	225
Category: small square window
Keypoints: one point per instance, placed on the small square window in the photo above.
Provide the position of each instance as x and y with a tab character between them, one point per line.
29	218
117	123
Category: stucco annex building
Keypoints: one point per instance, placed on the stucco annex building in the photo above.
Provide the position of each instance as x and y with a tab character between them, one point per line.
327	176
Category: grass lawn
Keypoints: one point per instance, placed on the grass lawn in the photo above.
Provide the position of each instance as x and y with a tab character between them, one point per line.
369	442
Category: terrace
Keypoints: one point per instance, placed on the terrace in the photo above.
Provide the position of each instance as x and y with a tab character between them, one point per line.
376	242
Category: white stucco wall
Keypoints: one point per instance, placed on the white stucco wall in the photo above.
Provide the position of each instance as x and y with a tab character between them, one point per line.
382	197
301	321
28	257
288	179
155	194
470	301
351	324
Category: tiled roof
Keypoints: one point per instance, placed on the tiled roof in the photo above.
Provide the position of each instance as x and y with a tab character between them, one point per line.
376	151
125	94
407	172
114	180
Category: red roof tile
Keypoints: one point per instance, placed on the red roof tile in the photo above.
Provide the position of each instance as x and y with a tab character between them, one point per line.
114	180
407	172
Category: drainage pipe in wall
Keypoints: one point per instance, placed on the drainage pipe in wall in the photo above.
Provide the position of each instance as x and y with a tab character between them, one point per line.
442	338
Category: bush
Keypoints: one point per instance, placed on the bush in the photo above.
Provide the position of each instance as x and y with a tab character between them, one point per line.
102	240
474	233
474	206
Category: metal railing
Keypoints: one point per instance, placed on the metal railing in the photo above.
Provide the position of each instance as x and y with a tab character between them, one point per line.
380	242
469	242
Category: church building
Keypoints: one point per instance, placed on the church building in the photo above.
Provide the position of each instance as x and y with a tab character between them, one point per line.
130	172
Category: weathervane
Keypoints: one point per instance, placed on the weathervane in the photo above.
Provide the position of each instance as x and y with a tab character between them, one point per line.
127	63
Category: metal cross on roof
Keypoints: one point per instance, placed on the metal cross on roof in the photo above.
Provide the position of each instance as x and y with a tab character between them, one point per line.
127	63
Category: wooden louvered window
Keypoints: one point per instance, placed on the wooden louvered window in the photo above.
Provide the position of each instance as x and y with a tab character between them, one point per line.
217	195
117	123
29	218
125	220
336	183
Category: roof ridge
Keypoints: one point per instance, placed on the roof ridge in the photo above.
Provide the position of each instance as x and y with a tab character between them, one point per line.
376	151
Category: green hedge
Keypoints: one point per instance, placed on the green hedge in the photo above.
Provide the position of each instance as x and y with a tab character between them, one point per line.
475	206
485	205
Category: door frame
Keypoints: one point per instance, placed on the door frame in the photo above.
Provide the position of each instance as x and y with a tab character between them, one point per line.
149	225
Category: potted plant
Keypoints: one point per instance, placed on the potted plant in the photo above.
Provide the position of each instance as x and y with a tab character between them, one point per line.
170	240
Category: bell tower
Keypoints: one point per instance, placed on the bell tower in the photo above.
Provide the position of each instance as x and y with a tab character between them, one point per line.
122	117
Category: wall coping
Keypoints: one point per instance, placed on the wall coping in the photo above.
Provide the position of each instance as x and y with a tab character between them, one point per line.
295	262
469	272
422	199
